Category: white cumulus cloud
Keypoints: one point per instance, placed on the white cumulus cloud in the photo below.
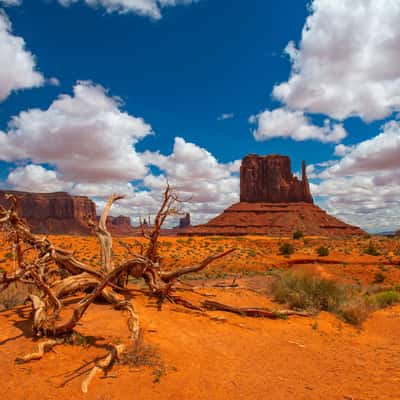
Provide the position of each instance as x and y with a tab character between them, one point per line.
149	8
285	123
36	178
363	187
347	61
17	65
85	136
380	153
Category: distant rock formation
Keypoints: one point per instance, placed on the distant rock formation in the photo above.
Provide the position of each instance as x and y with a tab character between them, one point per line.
273	202
58	213
120	225
184	222
269	179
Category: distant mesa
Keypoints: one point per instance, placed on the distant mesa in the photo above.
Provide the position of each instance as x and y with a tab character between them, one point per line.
61	213
57	213
273	202
120	225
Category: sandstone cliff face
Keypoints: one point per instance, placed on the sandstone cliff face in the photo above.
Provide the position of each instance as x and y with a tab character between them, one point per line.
58	212
269	179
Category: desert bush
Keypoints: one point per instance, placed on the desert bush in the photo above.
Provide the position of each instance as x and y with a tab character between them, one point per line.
371	250
286	248
385	298
298	235
304	291
379	277
354	311
140	354
323	251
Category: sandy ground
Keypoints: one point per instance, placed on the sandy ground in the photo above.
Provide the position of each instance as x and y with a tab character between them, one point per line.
216	355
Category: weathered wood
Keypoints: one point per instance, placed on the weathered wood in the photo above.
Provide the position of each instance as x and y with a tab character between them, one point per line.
51	319
251	311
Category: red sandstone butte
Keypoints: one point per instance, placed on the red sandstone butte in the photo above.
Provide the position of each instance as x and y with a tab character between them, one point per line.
57	213
184	222
120	225
269	179
273	202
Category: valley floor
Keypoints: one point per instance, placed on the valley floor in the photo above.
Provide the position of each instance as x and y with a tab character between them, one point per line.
216	355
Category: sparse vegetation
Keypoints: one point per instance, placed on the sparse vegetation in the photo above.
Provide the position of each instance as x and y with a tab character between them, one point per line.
379	277
298	235
286	248
385	298
323	251
371	250
140	354
304	291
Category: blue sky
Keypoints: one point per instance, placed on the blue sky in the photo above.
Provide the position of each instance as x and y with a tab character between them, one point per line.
191	88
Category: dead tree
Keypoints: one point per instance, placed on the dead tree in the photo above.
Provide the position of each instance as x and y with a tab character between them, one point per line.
58	274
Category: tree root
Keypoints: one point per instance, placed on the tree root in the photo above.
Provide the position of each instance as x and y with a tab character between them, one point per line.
252	311
103	365
42	348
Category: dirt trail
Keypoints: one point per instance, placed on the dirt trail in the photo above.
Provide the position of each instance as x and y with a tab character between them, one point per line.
232	358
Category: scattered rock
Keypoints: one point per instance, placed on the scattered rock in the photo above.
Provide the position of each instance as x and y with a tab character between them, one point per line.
218	318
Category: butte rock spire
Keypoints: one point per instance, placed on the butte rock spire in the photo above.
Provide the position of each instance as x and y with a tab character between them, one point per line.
269	179
273	202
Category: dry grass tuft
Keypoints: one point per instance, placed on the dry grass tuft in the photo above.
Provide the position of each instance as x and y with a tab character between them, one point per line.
305	291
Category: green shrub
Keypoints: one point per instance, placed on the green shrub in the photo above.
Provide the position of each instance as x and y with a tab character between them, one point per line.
371	250
323	251
286	248
303	291
385	299
298	235
379	277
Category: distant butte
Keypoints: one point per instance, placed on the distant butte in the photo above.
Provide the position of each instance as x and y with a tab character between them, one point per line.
269	179
273	202
61	213
57	213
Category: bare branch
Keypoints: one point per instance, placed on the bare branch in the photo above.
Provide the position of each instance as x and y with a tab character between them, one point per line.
169	276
